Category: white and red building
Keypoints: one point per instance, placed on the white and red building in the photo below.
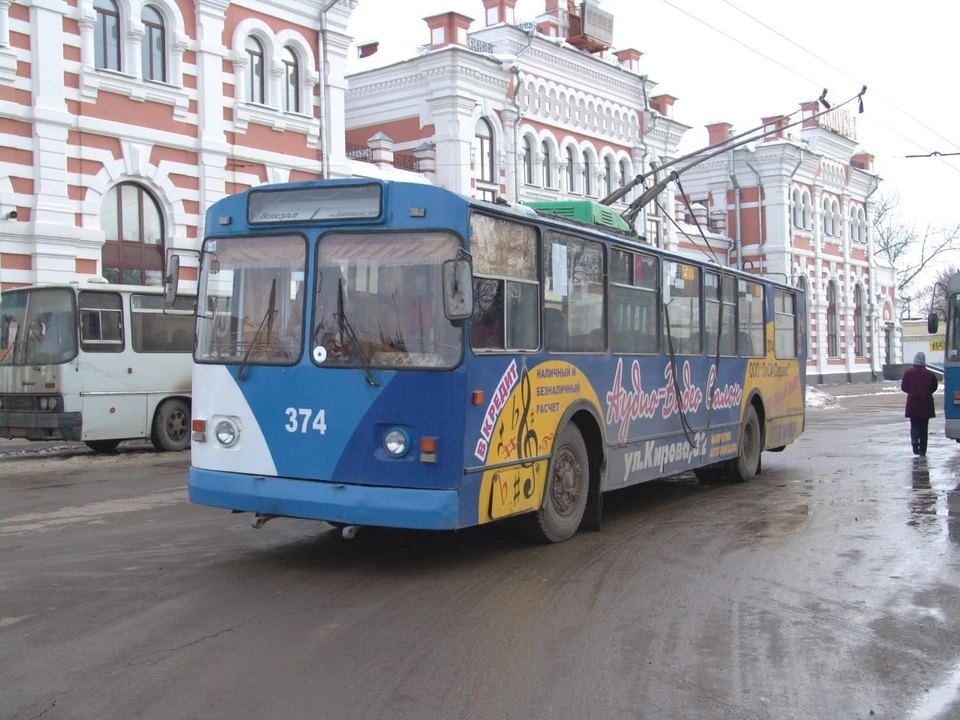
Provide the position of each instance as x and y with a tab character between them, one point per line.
531	111
798	206
135	115
131	117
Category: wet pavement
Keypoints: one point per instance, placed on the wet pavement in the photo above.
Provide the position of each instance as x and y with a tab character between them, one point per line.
827	588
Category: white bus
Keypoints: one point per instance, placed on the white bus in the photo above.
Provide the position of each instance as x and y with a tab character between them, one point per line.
96	363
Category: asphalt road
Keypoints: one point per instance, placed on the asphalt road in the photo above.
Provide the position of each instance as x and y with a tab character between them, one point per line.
827	588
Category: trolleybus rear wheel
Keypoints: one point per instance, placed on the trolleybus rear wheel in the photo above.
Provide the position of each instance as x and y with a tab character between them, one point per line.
744	466
567	487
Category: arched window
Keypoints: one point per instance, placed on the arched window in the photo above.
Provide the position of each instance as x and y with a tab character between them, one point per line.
861	225
826	224
484	165
291	81
836	219
106	35
255	82
133	229
608	176
571	171
623	173
797	203
527	161
853	227
807	211
833	328
153	45
859	328
546	169
587	175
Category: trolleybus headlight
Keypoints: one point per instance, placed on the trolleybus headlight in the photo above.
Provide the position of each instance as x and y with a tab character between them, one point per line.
396	442
227	433
44	403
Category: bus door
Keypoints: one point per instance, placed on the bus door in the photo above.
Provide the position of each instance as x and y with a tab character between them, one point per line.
114	400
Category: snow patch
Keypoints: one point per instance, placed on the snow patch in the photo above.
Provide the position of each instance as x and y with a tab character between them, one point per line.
817	398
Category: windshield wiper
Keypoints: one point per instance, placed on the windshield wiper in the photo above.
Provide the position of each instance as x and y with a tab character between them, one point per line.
268	316
346	331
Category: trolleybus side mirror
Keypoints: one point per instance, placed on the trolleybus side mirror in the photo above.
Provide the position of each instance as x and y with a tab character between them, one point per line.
933	323
458	289
171	280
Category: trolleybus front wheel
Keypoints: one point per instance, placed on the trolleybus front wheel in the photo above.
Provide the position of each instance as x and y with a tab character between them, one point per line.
567	487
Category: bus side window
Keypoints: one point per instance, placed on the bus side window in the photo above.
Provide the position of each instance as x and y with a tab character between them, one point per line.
785	324
682	308
101	322
506	289
573	274
750	310
154	331
634	303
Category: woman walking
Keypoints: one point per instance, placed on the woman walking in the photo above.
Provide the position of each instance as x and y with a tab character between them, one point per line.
919	383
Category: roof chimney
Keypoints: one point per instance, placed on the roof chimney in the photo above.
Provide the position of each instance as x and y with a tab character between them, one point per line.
629	59
719	132
449	28
366	49
499	11
773	127
863	161
663	104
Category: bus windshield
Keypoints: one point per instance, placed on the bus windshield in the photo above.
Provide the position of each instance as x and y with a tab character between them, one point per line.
379	302
250	304
37	327
953	329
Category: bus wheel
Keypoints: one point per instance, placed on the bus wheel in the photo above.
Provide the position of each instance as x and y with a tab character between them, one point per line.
565	495
102	446
171	427
745	465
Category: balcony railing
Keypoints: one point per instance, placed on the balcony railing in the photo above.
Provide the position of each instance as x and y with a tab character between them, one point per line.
405	161
480	46
359	152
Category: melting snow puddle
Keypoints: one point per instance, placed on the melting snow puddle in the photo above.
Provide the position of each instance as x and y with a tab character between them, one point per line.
939	700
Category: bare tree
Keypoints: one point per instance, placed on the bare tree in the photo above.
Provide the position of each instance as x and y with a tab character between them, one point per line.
933	298
908	248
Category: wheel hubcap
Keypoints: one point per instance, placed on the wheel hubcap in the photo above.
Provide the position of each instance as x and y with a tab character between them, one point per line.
176	425
565	483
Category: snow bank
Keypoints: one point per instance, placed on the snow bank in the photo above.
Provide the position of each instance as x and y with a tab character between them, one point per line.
817	398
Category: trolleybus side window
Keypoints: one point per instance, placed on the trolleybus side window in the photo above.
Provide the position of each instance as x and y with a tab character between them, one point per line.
634	303
785	324
573	295
154	331
101	322
750	308
506	288
718	303
681	295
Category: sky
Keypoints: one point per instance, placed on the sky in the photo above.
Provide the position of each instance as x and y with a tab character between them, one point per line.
710	55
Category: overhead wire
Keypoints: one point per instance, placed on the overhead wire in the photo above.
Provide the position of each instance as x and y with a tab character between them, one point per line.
806	78
841	71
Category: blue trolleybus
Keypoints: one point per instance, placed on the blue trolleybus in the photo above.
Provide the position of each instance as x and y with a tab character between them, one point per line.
951	358
374	353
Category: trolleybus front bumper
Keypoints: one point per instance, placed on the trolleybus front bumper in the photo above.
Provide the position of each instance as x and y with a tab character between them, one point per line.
41	425
333	502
